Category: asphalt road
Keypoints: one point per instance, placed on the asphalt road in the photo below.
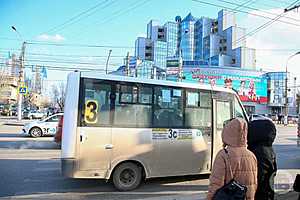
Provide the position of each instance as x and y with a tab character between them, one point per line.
30	169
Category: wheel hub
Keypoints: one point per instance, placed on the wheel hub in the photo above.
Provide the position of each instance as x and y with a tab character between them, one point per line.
127	176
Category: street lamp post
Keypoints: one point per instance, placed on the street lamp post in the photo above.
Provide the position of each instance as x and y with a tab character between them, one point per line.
106	67
21	73
286	89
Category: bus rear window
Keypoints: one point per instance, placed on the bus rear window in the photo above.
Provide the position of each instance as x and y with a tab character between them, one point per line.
96	103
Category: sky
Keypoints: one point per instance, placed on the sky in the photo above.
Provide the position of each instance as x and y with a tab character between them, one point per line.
120	22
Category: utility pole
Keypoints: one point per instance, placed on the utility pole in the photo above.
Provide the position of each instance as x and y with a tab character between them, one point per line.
107	61
127	65
180	73
286	71
21	80
286	105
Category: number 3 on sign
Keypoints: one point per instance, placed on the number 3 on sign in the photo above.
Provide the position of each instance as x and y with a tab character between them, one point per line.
91	109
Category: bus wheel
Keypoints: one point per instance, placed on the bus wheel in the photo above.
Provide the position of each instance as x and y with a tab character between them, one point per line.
35	132
127	176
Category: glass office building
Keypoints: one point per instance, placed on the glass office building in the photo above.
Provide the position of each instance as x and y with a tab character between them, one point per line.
160	54
276	93
145	70
171	31
198	40
187	37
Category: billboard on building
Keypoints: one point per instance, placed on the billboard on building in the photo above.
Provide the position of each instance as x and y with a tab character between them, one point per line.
172	68
250	85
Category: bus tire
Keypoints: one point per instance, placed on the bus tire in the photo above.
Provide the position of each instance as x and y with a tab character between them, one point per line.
127	176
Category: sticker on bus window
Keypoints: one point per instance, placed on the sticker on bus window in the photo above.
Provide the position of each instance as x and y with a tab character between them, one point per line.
91	110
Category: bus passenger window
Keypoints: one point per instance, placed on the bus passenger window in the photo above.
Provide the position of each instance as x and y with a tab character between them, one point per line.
196	114
205	99
133	108
168	108
145	95
128	94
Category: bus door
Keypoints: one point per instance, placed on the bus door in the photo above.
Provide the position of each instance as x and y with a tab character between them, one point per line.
95	137
222	112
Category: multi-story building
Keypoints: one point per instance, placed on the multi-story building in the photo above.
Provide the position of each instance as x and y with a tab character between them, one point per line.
9	75
219	42
209	51
276	92
161	42
8	90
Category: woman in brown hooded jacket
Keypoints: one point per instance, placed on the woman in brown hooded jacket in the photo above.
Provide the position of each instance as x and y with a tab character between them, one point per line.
243	162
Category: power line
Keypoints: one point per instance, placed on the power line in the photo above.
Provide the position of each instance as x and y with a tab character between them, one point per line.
81	15
6	50
58	68
116	14
74	55
78	45
241	11
8	38
279	1
133	6
35	42
256	9
74	18
263	26
67	62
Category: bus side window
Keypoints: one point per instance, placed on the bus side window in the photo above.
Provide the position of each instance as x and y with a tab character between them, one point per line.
133	106
168	107
198	109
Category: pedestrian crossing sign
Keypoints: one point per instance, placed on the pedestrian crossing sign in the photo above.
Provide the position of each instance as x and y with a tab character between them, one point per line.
23	90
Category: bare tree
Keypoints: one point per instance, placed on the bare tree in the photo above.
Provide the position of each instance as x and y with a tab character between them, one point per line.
59	95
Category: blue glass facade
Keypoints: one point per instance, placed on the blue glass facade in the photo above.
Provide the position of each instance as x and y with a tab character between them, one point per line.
198	40
277	87
144	70
187	44
160	54
171	38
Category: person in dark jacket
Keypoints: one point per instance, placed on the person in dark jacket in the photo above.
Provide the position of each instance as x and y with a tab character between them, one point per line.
261	135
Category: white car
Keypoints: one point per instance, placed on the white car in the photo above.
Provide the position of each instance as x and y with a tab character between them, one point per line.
43	127
258	117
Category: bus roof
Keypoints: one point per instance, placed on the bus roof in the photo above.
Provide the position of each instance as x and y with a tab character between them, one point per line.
152	81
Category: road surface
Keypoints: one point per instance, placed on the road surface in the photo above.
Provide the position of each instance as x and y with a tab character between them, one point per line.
30	169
